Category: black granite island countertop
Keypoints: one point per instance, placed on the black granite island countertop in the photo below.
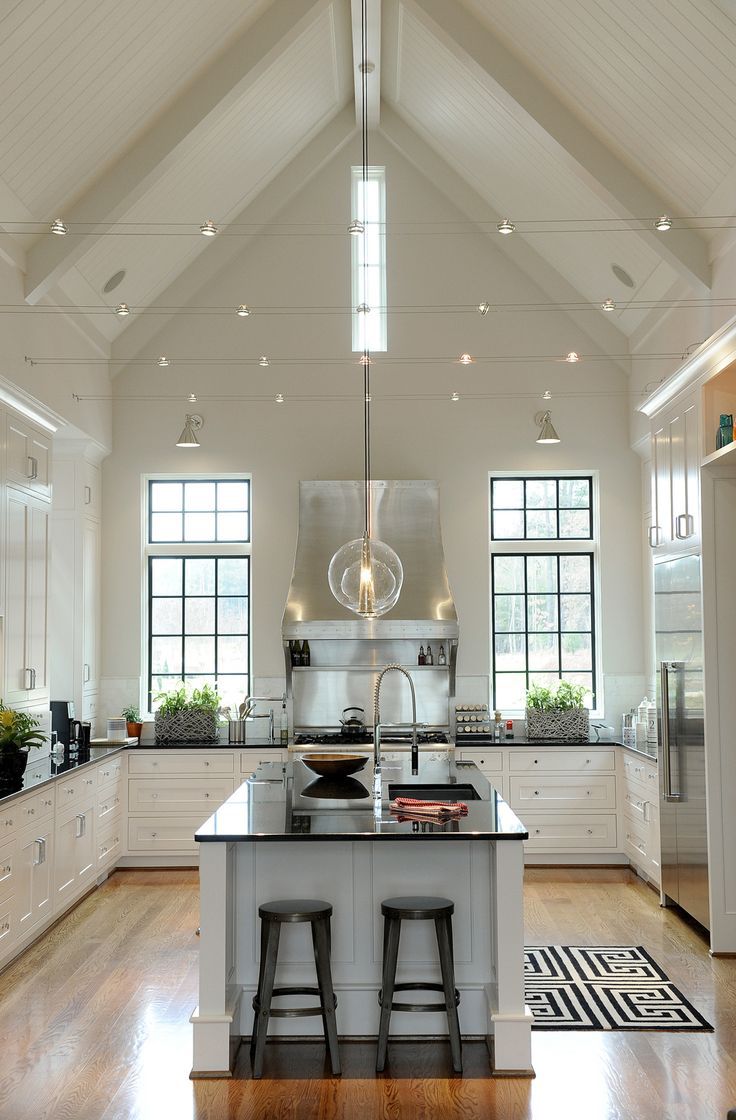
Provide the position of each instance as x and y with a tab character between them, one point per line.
286	801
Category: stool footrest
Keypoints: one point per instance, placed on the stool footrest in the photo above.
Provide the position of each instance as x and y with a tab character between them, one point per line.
418	986
291	1012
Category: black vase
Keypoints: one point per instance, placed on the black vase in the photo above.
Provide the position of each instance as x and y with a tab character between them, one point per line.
13	764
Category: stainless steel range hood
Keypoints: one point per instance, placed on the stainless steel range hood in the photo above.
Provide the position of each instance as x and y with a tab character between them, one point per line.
406	516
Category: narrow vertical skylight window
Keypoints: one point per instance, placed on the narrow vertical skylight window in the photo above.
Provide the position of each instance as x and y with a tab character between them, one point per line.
368	259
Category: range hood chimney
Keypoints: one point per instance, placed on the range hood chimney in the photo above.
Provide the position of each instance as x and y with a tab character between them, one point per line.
406	515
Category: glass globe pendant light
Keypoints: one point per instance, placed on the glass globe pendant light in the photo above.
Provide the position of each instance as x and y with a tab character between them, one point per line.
366	575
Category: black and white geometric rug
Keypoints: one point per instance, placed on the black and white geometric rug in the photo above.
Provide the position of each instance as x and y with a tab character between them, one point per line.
604	988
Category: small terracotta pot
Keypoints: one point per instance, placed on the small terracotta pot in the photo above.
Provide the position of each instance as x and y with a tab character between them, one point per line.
135	730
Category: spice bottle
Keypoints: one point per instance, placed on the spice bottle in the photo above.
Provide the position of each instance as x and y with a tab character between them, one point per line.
421	660
430	656
441	658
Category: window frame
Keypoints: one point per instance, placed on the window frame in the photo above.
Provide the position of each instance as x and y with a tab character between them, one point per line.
551	546
185	550
375	173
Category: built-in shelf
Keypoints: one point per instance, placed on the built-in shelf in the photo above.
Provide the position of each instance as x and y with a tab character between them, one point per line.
723	457
364	668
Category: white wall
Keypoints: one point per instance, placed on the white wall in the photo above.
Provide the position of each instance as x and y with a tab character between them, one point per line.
417	431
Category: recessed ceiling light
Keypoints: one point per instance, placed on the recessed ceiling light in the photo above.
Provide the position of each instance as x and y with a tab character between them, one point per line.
58	227
505	226
663	223
455	397
279	398
208	228
356	227
573	356
115	280
465	359
243	310
263	361
122	309
484	308
608	305
622	275
163	360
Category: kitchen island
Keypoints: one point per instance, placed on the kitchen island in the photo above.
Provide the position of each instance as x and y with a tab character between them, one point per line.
285	833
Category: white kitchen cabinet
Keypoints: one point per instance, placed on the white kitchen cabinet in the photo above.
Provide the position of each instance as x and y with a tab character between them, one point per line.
91	606
676	457
75	855
26	598
27	456
640	813
34	890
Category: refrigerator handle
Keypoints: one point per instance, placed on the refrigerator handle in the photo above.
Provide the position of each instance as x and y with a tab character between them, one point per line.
666	757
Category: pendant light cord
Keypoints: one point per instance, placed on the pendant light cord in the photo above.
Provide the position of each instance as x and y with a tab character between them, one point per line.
366	352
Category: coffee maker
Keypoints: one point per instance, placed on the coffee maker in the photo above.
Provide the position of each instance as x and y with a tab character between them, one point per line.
69	730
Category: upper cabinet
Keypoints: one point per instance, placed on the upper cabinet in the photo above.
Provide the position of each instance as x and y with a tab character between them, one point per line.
27	456
676	457
26	597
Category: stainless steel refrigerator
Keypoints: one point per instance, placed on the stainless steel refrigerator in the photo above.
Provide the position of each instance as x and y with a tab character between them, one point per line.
680	688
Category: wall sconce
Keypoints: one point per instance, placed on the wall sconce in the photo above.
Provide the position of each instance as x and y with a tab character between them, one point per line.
547	433
188	437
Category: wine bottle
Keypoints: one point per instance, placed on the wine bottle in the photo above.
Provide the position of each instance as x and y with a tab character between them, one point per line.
306	655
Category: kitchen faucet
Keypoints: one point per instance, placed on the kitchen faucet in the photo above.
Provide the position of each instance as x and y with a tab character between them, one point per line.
377	728
253	700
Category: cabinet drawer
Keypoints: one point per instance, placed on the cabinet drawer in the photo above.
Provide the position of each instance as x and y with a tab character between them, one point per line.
550	831
594	792
182	762
636	806
8	871
32	808
489	762
110	843
639	770
7	924
178	795
109	771
568	762
155	834
249	759
109	803
70	789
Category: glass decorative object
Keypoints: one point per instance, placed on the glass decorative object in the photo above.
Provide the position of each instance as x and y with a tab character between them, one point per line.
366	575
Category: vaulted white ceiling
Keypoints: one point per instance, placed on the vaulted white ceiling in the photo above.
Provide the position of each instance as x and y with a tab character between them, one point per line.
581	121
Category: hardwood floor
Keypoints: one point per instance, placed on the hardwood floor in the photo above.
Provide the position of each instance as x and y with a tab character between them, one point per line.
94	1025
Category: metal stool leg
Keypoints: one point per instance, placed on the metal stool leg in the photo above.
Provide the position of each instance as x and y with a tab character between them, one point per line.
443	929
259	989
264	994
321	941
391	935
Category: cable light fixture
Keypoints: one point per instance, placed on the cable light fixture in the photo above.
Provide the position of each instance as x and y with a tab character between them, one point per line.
547	433
663	223
188	438
122	309
163	360
365	575
59	227
208	228
505	226
243	311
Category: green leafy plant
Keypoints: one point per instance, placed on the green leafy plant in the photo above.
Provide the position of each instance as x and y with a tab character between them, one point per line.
131	714
18	730
203	699
561	699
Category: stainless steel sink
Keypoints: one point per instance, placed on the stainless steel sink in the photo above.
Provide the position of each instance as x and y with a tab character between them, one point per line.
434	792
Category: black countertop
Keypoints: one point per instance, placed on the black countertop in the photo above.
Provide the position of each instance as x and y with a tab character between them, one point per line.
286	801
41	770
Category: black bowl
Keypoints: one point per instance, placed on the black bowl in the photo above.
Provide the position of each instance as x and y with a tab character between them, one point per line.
334	765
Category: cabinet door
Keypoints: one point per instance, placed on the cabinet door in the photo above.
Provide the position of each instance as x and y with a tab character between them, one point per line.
38	578
90	605
34	884
28	456
75	854
661	533
692	473
26	668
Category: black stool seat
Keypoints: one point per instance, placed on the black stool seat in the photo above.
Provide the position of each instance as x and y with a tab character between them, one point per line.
418	908
273	915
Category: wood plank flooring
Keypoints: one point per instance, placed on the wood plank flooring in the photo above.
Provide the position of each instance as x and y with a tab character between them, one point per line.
94	1025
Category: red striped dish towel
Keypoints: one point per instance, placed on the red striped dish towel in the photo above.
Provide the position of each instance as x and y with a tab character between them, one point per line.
436	809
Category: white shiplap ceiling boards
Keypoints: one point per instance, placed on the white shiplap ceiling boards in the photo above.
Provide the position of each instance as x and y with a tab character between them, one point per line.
549	110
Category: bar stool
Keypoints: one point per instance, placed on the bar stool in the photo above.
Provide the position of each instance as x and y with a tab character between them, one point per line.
418	909
272	915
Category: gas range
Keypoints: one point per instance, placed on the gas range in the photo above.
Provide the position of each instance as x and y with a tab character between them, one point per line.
365	736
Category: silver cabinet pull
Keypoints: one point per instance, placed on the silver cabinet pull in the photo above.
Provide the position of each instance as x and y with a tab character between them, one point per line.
80	825
41	851
653	536
32	471
86	673
88	495
29	679
687	520
664	668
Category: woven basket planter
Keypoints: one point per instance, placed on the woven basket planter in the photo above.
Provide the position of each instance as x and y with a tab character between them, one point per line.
558	725
186	727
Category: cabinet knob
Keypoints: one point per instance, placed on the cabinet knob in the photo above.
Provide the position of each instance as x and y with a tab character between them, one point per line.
536	761
536	793
537	831
206	762
206	795
154	835
589	831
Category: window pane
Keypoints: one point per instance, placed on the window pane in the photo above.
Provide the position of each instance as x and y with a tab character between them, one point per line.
200	616
508	493
199	655
232	527
575	612
541	493
166	527
166	616
232	577
541	524
544	652
541	573
199	496
541	612
508	525
232	655
233	688
166	496
574	573
574	524
232	495
166	655
232	616
166	576
508	573
510	691
586	680
200	577
546	680
199	527
577	652
510	652
574	493
510	613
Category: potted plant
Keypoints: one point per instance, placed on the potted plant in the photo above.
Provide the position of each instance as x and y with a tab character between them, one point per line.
132	716
186	717
19	731
557	714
